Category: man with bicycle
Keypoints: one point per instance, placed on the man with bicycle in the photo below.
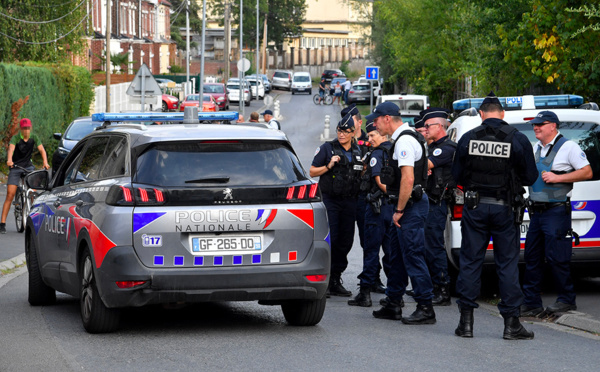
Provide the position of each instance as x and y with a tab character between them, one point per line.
19	154
322	85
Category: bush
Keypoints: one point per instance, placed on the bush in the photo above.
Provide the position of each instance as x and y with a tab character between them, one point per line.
58	93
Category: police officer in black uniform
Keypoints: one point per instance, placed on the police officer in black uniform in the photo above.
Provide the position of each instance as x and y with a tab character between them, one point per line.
379	229
338	165
405	177
492	163
439	188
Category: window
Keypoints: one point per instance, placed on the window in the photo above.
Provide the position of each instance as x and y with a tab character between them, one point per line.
91	162
116	158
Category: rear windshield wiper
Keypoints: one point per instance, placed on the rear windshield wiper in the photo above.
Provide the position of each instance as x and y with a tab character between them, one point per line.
209	180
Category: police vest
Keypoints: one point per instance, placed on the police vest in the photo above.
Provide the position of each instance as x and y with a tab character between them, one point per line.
343	178
391	173
541	191
441	177
488	165
368	183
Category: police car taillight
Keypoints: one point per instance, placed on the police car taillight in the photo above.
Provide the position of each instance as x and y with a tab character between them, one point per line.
130	283
303	192
138	195
457	211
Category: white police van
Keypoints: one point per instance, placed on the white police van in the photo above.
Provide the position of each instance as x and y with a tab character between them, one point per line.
579	122
410	105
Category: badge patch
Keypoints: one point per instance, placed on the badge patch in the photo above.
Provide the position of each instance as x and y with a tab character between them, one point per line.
373	162
403	154
317	151
437	152
583	155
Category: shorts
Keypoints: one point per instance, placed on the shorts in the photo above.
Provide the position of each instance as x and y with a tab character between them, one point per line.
338	94
321	93
14	175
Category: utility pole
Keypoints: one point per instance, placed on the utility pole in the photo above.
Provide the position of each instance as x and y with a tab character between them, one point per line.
227	51
241	73
256	50
264	47
187	42
108	27
201	86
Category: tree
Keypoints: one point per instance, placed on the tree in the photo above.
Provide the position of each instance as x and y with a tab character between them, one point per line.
41	31
178	22
284	18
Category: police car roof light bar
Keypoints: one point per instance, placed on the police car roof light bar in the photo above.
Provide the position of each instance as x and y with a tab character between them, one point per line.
162	116
522	102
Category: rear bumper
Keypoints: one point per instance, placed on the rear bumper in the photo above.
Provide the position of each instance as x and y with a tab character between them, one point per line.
271	283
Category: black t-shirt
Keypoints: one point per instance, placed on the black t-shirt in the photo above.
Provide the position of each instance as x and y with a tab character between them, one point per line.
24	149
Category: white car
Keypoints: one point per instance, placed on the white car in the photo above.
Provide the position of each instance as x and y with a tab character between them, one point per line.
376	85
258	87
233	88
409	104
301	83
578	124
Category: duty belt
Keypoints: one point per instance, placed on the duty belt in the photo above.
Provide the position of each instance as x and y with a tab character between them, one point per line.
490	200
538	207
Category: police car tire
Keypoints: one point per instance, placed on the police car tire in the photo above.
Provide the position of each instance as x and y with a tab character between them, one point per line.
304	312
96	317
38	292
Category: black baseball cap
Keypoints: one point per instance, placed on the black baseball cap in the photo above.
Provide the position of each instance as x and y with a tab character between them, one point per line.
383	109
267	112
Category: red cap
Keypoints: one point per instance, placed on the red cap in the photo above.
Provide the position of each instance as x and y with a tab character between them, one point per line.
25	123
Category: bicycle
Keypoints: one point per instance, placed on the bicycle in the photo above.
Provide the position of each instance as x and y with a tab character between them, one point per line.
23	201
327	98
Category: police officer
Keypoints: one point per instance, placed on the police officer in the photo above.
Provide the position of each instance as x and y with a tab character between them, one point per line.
338	165
560	163
405	178
420	127
439	188
378	219
492	163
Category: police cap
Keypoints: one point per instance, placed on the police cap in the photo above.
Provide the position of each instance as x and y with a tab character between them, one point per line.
491	98
434	112
346	123
370	126
352	110
419	122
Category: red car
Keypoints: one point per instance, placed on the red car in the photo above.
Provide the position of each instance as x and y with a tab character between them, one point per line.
208	105
169	103
219	93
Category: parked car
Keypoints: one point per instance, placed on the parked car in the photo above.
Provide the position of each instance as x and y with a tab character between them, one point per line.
208	105
169	103
141	215
376	85
301	82
265	80
282	79
219	92
78	129
328	75
233	89
257	86
360	93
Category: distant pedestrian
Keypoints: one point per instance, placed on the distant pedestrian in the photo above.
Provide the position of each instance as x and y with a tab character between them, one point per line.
347	86
254	117
271	122
337	93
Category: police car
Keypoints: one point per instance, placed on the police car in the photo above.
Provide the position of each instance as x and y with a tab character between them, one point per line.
154	214
579	122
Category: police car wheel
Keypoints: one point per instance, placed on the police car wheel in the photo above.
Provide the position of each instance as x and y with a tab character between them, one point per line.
96	317
304	312
39	293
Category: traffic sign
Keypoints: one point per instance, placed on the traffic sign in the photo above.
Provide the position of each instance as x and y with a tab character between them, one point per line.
144	84
243	64
372	72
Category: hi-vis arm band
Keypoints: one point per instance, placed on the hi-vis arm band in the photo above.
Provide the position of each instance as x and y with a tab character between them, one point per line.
489	148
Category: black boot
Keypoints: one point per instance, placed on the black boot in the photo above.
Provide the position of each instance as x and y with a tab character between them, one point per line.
336	288
514	330
465	324
363	298
392	310
378	287
442	297
386	299
423	315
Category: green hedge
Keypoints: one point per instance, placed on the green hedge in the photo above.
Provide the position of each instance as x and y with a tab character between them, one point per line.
58	93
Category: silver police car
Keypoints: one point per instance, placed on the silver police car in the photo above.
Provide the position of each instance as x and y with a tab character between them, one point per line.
153	214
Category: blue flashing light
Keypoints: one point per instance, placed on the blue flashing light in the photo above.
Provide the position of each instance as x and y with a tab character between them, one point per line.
163	116
159	260
198	261
178	261
256	258
218	261
237	260
516	103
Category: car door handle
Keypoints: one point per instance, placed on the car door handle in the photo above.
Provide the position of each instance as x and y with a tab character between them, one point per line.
79	203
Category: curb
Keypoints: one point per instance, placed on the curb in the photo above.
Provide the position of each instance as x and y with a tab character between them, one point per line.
13	262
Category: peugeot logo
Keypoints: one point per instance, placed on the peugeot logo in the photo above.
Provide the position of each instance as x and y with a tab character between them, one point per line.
227	193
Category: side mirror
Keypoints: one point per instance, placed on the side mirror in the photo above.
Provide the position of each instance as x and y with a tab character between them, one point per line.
57	136
38	180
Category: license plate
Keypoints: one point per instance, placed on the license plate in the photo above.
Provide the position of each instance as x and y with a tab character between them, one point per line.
300	89
227	244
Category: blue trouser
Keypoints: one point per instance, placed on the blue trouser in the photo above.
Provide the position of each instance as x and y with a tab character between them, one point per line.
408	255
341	213
361	206
477	226
547	238
346	96
434	243
379	232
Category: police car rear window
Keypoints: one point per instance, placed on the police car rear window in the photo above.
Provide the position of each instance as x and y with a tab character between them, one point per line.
218	163
585	134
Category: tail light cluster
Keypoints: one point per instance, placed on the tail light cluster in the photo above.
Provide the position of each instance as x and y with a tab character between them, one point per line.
459	201
135	195
303	193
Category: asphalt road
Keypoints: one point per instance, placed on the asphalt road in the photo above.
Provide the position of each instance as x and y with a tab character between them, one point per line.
248	336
